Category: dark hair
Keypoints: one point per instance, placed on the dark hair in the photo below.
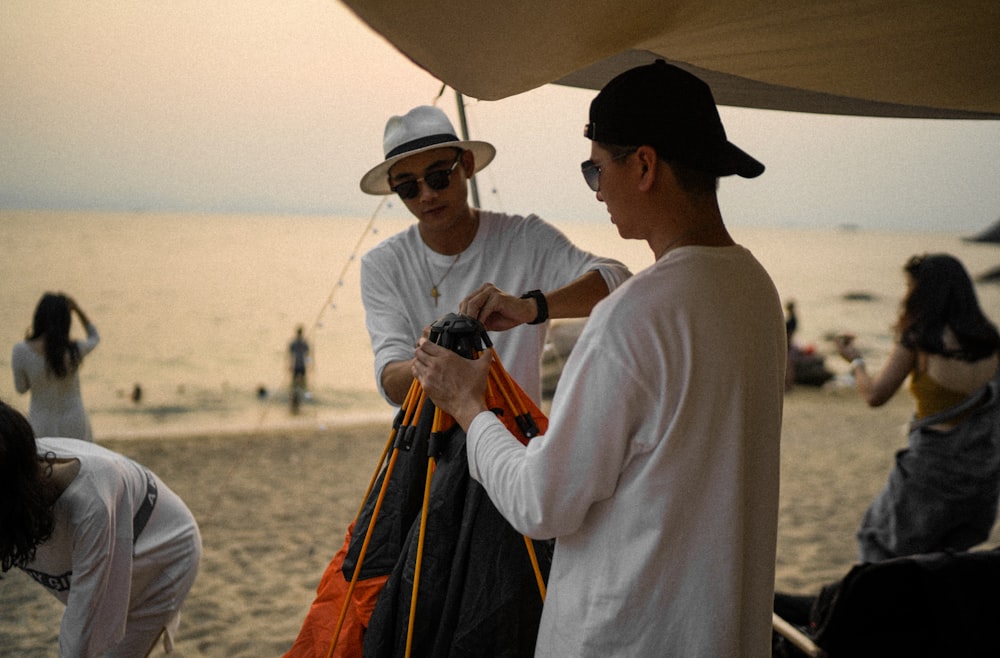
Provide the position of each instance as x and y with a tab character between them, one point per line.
942	297
694	181
26	516
51	323
691	180
618	151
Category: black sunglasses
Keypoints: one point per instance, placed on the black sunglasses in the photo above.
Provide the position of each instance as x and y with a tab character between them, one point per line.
592	171
439	179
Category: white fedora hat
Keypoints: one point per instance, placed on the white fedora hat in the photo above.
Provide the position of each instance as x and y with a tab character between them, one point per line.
421	129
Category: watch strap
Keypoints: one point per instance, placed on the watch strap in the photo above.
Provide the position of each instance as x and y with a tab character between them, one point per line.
543	306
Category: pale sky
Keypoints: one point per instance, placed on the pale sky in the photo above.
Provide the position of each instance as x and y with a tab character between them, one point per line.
278	106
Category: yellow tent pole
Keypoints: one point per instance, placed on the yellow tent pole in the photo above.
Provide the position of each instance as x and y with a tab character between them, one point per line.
414	390
431	463
502	377
498	380
507	386
504	392
534	566
361	555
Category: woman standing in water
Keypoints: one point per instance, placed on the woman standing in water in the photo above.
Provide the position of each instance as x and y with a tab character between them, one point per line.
47	362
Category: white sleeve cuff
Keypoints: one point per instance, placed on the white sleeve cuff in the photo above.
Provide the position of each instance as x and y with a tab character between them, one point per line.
479	427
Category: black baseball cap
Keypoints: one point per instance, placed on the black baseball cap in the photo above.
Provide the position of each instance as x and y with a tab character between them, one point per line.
673	111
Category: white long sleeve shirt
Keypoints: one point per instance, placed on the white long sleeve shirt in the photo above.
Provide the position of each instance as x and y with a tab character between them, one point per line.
94	563
658	475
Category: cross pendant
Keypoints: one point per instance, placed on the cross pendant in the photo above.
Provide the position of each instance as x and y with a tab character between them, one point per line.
435	295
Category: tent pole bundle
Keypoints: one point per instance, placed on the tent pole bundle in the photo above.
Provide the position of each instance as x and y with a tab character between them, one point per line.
418	418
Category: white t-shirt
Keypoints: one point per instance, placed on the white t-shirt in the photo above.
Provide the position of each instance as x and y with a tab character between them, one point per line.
56	407
515	253
658	475
94	564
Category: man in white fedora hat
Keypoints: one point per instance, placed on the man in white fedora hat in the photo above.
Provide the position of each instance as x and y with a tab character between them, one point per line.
512	272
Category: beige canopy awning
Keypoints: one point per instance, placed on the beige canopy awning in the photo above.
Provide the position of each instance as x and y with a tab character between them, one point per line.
893	58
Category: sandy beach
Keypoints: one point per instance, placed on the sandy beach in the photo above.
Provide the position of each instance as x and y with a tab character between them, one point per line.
273	507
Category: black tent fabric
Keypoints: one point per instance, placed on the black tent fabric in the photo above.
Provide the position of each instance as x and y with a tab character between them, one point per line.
404	496
479	587
477	594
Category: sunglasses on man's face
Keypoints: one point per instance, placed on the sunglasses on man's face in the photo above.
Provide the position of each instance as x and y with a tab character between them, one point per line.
592	170
438	179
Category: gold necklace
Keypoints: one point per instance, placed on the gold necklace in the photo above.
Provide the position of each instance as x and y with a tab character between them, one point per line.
434	286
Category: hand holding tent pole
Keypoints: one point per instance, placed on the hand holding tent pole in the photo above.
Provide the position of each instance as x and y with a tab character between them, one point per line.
419	419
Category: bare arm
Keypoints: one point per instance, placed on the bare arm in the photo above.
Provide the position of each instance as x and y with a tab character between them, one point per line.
397	376
499	310
577	299
73	306
396	379
877	390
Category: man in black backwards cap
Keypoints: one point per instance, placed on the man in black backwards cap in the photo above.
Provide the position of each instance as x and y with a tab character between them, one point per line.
658	475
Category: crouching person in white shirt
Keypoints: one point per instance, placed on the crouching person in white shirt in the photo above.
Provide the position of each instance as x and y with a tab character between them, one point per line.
102	533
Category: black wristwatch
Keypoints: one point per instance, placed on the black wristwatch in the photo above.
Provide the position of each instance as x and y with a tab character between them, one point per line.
543	306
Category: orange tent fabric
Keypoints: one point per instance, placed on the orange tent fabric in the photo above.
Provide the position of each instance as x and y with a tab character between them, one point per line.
524	420
316	636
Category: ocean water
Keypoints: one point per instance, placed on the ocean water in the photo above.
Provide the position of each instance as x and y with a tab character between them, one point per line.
198	309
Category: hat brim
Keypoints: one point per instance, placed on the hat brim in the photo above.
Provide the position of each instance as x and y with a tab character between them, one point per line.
726	159
376	181
735	160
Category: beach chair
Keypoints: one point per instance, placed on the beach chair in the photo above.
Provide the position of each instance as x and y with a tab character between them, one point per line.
923	606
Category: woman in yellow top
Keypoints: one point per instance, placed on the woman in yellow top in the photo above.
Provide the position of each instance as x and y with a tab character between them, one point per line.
942	493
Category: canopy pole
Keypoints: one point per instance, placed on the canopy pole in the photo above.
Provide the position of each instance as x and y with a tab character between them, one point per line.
465	137
801	641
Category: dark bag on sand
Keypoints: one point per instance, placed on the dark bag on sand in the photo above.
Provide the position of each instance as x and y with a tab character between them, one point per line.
936	605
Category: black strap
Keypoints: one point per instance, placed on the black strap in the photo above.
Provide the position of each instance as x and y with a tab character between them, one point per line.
543	305
145	511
